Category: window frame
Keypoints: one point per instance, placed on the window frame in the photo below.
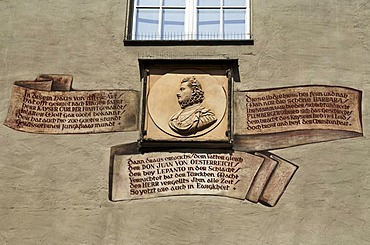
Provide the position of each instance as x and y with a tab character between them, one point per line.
190	23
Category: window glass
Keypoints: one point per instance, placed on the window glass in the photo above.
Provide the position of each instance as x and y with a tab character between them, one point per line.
147	24
234	3
234	24
174	3
173	24
148	2
208	23
208	2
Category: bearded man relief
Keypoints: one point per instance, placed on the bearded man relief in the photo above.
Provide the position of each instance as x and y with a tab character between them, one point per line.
192	117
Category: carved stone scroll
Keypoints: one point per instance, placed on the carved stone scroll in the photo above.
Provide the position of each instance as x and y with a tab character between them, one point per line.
278	181
49	105
261	178
138	176
283	117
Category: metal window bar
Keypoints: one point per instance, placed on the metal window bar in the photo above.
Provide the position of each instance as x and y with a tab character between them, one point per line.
189	36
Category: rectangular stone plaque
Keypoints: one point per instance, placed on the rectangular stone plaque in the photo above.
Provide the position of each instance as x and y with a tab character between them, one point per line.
183	107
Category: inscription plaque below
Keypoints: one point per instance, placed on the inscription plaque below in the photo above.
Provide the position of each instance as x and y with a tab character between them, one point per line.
167	174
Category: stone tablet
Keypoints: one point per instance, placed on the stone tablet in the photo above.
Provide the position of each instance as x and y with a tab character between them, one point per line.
186	105
167	174
265	119
48	105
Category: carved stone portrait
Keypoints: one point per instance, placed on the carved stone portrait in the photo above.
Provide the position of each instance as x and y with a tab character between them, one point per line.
186	105
192	117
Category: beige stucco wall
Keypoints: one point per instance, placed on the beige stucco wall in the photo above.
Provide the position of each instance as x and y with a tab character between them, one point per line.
54	188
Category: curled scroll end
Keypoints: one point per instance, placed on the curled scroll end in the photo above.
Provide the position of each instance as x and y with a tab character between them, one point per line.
60	82
278	181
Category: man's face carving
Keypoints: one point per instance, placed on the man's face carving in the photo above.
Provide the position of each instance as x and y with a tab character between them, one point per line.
184	93
193	117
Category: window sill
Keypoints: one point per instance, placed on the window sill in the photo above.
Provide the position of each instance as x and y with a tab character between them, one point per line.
188	42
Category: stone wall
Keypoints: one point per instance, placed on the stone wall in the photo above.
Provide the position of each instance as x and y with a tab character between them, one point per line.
54	188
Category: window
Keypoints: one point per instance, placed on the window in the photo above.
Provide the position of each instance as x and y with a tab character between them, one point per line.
190	20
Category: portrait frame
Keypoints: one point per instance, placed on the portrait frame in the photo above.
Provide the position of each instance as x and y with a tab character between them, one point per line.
223	72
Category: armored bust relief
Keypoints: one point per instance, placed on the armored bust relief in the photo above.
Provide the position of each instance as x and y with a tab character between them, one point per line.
193	117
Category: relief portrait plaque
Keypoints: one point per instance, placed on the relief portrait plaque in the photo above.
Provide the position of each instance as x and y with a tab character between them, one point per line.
186	105
193	117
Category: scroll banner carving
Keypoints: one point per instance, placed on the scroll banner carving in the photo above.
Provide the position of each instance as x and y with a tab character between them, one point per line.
49	105
140	176
283	117
263	120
